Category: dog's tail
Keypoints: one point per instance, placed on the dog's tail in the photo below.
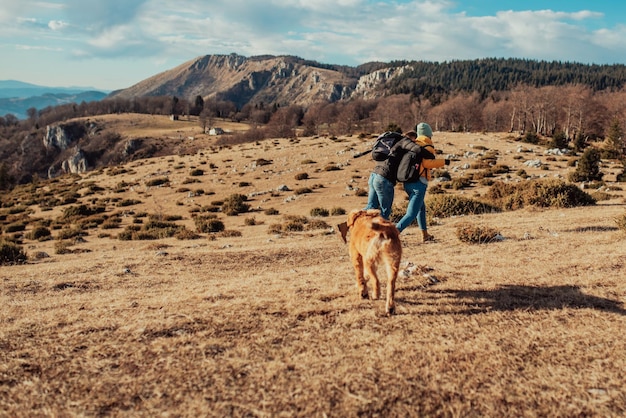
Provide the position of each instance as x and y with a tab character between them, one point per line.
385	232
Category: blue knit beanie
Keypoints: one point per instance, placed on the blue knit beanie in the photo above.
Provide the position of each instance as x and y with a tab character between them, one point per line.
423	129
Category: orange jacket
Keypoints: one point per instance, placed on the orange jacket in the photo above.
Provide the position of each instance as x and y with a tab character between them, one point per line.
427	165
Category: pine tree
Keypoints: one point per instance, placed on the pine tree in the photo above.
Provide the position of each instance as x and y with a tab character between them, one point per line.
588	168
615	141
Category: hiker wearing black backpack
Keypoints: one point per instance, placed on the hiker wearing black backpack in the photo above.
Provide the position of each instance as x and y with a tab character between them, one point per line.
387	152
415	182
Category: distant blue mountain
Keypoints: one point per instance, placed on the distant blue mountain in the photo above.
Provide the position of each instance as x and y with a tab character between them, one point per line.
16	97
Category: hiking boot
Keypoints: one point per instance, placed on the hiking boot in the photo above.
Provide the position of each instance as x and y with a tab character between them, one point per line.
426	237
342	228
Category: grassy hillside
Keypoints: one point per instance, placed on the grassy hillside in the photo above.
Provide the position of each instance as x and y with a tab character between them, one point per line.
261	317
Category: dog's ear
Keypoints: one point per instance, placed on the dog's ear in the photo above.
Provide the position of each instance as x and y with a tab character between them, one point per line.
353	215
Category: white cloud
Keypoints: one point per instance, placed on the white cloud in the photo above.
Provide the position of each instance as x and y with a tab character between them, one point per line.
348	32
57	25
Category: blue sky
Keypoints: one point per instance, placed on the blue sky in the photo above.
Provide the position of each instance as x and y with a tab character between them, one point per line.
113	44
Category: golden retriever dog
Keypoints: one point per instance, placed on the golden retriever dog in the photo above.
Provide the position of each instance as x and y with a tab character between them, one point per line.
374	241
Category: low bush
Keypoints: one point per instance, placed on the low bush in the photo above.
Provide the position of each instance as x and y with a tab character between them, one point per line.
292	223
62	247
541	193
11	253
317	224
332	167
156	227
319	212
230	233
235	204
446	205
184	233
128	202
39	233
208	224
472	234
157	181
15	227
79	211
68	233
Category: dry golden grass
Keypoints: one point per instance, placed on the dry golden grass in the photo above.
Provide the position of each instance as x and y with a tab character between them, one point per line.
270	325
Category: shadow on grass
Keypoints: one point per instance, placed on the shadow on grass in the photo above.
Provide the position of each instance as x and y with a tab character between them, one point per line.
512	298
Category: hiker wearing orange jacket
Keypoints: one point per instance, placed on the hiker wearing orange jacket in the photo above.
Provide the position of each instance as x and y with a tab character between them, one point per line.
416	189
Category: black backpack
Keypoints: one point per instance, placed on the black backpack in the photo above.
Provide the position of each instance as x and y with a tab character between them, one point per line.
409	167
383	145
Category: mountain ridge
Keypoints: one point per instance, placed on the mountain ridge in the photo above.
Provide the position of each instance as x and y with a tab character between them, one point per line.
289	80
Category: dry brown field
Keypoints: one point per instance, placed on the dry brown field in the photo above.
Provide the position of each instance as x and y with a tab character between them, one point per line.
256	323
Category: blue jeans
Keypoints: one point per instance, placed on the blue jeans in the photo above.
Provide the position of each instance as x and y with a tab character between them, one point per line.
416	208
380	194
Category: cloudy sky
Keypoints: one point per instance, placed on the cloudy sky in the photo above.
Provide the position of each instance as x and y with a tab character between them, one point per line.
112	44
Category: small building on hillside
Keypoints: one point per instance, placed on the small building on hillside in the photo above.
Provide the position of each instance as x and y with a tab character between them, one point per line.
216	131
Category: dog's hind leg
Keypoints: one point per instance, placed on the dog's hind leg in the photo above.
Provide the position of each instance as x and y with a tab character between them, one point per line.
392	265
361	284
370	272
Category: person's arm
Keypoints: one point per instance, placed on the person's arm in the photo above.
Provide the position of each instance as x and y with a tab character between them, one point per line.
430	161
434	163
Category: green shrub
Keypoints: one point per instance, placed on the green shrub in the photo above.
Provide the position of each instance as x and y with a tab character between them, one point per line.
157	181
189	181
337	211
275	228
317	224
319	212
73	212
197	172
68	233
62	247
251	221
184	233
301	176
446	205
11	253
15	227
235	204
559	140
530	138
472	234
459	183
128	202
207	224
293	226
588	168
39	233
541	193
271	211
230	233
111	223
